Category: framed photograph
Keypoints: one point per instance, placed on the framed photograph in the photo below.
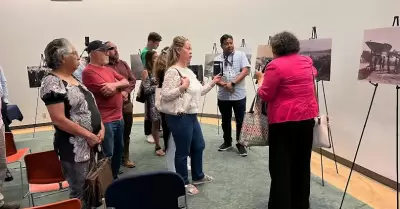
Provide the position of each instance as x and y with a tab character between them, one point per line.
198	71
209	65
36	74
137	66
380	56
320	51
264	56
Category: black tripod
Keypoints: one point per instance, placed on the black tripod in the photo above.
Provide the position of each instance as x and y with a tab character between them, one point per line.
394	24
314	36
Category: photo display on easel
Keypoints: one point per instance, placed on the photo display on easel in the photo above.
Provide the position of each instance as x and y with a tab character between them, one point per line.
380	56
320	51
137	66
209	64
37	73
198	71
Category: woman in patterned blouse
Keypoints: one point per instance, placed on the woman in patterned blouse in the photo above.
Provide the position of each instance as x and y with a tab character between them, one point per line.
73	112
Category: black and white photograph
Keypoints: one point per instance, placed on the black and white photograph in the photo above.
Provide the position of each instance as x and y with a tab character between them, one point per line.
137	66
380	56
320	51
209	65
36	74
264	56
247	51
198	71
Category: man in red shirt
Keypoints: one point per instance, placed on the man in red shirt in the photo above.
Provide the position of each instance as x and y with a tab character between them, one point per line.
106	85
122	68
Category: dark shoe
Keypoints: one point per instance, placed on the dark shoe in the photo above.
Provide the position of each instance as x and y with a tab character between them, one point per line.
120	172
242	150
10	206
224	147
9	177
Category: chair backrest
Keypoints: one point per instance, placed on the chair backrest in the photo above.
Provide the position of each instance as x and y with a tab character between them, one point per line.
43	168
11	149
66	204
156	190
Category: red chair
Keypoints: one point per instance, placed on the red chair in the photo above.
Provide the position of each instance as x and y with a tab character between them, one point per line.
44	174
14	155
66	204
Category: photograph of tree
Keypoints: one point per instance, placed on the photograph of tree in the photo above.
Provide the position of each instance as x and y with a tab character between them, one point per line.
380	56
320	51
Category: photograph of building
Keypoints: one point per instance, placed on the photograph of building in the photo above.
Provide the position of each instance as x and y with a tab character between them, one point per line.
264	56
380	56
137	66
209	64
320	51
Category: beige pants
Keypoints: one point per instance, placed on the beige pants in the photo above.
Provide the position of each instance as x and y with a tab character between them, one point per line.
3	163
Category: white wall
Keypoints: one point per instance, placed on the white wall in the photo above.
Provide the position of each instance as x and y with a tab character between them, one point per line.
26	26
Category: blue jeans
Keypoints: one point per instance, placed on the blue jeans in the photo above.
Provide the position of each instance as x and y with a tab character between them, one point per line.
188	137
113	144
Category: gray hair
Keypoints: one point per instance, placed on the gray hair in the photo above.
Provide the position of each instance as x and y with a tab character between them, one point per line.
284	43
55	51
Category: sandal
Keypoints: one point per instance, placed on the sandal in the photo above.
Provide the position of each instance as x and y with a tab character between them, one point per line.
191	189
206	179
159	151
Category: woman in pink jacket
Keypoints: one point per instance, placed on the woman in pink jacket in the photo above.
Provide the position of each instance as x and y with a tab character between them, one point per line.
288	88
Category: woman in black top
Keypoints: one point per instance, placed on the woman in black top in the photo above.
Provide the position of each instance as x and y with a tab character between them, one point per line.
73	112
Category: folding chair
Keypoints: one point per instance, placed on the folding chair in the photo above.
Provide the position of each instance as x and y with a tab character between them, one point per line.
156	190
66	204
44	174
14	155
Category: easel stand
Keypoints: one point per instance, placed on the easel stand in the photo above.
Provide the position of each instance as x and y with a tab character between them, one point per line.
395	24
214	51
314	36
37	98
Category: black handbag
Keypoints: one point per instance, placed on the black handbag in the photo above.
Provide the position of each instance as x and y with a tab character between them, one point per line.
140	96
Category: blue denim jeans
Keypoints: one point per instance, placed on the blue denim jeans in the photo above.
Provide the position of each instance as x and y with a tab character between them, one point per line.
113	144
188	137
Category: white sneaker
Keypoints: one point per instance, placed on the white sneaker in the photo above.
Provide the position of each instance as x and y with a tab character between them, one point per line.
150	139
188	164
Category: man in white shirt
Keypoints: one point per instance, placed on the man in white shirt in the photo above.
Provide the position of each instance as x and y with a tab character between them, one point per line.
3	162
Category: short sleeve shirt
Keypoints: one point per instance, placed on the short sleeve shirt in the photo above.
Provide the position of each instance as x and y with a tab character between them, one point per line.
79	107
143	55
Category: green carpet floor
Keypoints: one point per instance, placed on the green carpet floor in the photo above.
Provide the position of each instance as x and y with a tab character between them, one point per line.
240	183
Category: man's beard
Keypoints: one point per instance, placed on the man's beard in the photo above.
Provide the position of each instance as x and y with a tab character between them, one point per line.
113	59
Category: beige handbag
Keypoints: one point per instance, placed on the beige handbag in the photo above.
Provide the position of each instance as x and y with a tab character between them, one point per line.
321	128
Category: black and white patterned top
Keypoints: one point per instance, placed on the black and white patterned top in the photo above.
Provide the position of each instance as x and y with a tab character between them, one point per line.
80	107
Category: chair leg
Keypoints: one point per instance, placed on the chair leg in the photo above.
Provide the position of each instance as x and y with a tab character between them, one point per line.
33	201
22	180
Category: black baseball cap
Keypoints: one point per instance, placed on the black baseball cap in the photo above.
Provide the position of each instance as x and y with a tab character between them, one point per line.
98	45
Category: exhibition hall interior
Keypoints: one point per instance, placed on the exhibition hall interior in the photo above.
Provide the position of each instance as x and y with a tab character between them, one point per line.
90	123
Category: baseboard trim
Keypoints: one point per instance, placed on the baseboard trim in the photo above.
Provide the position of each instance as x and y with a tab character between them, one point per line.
364	171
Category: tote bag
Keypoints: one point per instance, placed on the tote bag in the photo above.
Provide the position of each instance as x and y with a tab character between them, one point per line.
321	128
254	130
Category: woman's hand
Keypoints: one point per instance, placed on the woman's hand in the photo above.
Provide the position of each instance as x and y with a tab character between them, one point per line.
100	135
259	77
93	140
185	82
217	78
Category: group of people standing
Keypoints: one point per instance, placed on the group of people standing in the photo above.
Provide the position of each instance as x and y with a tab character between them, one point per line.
97	109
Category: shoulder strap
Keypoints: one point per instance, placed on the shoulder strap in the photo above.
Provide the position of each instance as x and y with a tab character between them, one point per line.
179	72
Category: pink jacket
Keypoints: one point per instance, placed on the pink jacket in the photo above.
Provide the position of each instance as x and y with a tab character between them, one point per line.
288	89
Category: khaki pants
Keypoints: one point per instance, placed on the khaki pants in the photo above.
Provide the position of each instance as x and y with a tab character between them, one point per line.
3	163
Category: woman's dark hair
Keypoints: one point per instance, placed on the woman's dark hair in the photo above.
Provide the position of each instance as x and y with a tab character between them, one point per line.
54	52
284	43
149	63
224	38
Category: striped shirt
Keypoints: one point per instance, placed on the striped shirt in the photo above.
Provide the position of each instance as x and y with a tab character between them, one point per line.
232	67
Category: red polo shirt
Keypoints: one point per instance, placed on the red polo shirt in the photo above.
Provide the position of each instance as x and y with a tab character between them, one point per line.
93	77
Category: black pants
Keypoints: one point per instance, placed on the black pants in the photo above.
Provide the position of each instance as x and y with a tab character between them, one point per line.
165	129
128	120
4	116
290	146
147	127
239	108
